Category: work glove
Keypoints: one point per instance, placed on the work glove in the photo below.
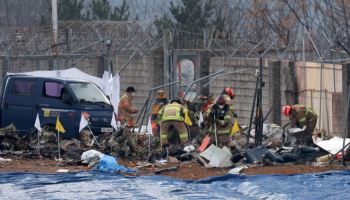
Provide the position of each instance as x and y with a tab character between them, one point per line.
221	122
303	128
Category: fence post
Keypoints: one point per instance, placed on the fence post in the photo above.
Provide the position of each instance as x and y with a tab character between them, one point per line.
205	38
4	67
275	91
100	65
345	91
51	64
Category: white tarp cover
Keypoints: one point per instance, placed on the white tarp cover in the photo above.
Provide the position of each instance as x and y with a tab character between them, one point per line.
333	145
114	87
72	73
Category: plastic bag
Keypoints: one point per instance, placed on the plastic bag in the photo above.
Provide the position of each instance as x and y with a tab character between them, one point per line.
91	155
187	119
110	164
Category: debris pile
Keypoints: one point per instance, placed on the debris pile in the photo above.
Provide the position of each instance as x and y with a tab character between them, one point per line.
143	150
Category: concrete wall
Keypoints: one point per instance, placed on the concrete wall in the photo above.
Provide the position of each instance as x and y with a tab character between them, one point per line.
345	114
287	83
243	83
139	74
317	85
278	91
90	65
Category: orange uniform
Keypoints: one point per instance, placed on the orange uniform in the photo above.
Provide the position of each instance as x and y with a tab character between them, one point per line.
126	110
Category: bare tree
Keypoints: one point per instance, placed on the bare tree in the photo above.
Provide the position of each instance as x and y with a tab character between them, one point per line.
326	20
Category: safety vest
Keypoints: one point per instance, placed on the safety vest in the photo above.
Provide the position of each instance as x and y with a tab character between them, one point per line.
308	113
172	112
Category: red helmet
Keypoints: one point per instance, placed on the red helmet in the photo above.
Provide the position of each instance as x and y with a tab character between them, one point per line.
221	100
286	110
229	92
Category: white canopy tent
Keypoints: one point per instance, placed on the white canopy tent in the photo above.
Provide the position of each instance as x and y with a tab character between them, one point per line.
72	73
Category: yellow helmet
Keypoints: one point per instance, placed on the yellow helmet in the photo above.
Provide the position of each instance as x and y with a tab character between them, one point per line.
161	94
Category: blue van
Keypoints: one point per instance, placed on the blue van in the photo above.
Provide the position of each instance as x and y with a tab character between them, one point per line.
24	96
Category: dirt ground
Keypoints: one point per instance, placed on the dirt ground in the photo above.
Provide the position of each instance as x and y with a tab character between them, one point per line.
292	169
186	170
38	166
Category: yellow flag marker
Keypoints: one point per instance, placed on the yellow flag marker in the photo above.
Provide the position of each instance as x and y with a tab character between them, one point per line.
187	119
235	128
59	126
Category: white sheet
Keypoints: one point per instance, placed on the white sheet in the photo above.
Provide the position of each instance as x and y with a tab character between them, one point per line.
72	73
333	145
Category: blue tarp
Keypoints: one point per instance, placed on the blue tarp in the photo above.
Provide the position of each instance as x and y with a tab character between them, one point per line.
96	185
110	164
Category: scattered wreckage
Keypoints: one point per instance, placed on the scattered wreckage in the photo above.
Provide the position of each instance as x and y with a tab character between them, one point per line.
141	150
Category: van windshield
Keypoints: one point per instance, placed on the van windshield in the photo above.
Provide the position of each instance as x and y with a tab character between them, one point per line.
88	92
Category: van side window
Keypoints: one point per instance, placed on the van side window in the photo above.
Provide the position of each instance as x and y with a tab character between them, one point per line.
53	89
23	87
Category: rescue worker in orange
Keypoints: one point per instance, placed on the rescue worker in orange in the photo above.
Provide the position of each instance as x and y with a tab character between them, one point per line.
220	114
173	115
160	101
126	109
302	117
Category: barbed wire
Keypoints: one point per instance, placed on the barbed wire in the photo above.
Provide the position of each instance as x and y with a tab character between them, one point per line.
90	37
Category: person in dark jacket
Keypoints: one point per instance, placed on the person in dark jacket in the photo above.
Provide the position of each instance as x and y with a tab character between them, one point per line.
220	114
